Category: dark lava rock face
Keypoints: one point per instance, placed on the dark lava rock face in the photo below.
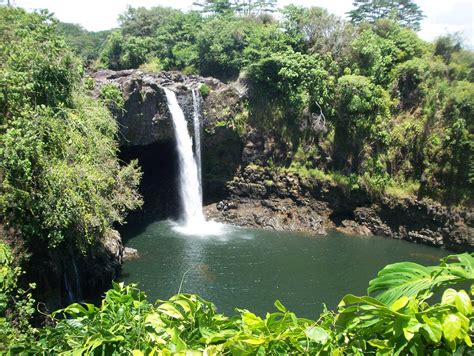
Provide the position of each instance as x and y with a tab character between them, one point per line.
145	118
263	198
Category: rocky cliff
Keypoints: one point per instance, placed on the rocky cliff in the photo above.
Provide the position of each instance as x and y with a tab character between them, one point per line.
239	187
265	198
145	118
146	133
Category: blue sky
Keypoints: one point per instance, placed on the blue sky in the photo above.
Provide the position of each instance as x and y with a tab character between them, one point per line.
442	16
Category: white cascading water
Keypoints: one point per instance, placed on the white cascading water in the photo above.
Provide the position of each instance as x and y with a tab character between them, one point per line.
197	135
193	221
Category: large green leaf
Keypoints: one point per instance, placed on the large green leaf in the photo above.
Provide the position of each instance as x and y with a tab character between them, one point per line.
411	279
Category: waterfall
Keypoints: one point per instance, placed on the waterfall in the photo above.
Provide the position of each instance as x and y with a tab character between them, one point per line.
72	282
197	134
190	188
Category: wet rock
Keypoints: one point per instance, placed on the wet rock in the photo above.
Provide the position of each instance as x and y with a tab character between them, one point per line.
351	227
130	254
145	118
271	200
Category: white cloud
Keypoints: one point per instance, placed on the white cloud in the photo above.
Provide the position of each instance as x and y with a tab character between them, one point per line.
441	16
448	17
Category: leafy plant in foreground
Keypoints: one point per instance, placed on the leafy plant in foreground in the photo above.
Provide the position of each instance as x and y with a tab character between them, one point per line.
413	280
400	321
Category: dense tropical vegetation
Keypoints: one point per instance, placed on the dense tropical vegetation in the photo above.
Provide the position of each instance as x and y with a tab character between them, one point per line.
61	184
409	126
61	181
389	109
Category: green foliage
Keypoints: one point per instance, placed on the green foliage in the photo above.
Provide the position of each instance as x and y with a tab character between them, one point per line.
204	90
221	52
413	280
446	46
219	7
243	7
89	83
318	30
408	325
375	178
61	181
379	49
158	34
286	84
145	22
112	96
362	110
402	190
154	65
122	53
36	67
16	304
84	43
399	321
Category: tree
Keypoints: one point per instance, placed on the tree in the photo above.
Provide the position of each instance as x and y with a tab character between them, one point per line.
141	21
406	12
84	43
243	7
446	45
362	111
214	6
61	181
254	7
320	31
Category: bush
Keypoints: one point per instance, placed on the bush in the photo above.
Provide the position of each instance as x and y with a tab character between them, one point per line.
112	96
398	316
152	66
61	181
362	113
16	304
204	90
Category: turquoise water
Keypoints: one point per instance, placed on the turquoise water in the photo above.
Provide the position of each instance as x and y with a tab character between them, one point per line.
247	268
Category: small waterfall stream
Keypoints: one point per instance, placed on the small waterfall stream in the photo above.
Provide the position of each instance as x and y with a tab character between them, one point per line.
197	134
190	188
72	282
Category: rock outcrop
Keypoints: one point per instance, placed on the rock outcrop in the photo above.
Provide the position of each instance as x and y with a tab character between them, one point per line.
146	133
101	265
263	198
145	118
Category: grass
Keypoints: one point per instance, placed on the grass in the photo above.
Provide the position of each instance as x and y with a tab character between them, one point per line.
403	190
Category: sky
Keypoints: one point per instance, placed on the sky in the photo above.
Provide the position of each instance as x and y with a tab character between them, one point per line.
442	16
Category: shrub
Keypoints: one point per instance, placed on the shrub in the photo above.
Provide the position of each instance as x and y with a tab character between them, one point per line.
398	316
61	181
16	304
204	90
112	96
